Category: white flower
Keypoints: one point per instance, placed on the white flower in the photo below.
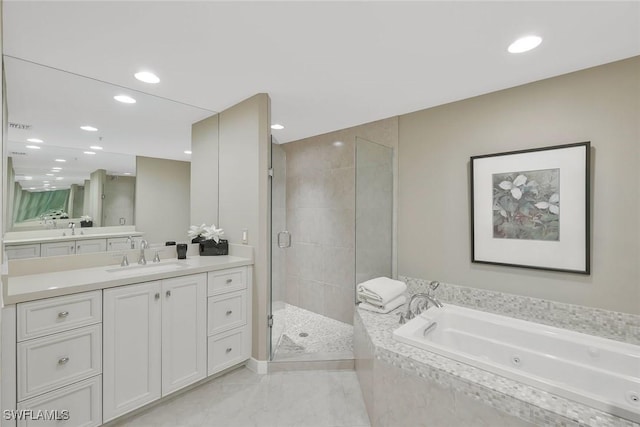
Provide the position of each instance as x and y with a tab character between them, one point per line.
514	186
85	218
212	233
552	204
196	230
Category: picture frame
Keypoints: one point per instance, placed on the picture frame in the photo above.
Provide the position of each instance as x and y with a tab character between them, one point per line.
530	208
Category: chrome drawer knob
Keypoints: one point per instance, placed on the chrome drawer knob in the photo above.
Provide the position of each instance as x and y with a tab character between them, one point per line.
157	295
229	281
63	361
229	312
168	293
63	314
229	350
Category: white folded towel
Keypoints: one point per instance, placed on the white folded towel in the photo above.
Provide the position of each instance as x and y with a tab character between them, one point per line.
384	309
380	290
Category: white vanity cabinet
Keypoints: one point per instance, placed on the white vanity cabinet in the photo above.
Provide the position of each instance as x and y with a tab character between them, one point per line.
59	358
22	251
229	308
123	243
67	247
154	341
85	246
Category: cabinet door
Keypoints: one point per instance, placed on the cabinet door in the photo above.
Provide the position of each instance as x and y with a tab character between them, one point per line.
91	245
119	244
22	251
184	331
58	248
132	348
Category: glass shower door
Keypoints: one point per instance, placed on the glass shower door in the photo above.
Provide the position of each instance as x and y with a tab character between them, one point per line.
279	241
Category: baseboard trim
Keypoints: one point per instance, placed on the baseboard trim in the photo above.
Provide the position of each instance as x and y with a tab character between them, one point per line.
258	366
312	365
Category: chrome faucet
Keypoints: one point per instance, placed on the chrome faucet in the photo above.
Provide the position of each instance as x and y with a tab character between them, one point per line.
130	242
410	314
143	245
72	226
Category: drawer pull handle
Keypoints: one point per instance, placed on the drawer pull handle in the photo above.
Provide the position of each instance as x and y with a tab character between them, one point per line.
63	361
229	312
168	293
229	350
229	281
63	314
157	295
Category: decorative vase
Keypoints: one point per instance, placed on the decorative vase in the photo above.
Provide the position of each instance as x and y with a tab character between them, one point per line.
210	247
197	239
86	224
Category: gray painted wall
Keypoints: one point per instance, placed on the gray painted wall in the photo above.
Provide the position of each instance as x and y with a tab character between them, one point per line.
601	105
162	199
204	171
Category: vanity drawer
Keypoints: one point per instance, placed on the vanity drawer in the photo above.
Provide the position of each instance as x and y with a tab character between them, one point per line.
50	362
48	316
227	311
82	401
227	349
232	279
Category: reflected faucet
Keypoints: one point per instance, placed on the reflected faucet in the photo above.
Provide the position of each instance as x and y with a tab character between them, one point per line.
72	226
143	245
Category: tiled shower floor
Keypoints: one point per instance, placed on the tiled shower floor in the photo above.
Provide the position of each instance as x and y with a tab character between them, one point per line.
310	336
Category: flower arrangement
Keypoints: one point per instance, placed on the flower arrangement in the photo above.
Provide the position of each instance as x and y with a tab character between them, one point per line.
209	238
86	221
198	233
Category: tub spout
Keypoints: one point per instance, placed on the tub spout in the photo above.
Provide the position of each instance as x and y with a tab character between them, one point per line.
410	314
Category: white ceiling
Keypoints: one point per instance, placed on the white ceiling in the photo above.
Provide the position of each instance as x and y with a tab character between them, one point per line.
326	65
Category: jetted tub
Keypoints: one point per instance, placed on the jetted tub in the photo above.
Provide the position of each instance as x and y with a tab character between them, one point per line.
594	371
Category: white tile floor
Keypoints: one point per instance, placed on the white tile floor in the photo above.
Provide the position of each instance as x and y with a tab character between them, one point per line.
322	338
282	399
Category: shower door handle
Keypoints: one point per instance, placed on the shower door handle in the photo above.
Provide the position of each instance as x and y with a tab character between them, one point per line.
287	241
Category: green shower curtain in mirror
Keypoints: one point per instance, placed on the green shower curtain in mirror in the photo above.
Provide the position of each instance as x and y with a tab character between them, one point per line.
36	203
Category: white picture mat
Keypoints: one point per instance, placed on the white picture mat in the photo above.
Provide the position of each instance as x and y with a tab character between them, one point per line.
569	252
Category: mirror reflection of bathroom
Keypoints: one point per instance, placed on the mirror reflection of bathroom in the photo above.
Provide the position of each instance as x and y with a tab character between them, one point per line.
75	157
332	226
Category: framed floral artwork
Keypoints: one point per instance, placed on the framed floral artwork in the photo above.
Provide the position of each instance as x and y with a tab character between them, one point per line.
530	208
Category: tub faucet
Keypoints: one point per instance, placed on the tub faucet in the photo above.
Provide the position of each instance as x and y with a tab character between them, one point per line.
143	245
410	314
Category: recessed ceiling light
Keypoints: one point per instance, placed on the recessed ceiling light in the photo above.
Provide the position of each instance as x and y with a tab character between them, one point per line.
28	178
32	188
277	126
338	144
54	186
89	128
90	152
56	169
35	140
124	99
49	174
59	178
127	173
147	77
60	160
187	151
524	44
33	147
96	147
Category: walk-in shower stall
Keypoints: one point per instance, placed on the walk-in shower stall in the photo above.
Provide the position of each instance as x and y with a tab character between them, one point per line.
332	226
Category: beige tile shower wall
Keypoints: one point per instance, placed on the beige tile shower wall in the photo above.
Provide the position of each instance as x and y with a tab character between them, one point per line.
320	202
601	105
119	200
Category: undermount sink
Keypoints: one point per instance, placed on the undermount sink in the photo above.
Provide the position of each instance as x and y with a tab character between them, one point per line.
148	268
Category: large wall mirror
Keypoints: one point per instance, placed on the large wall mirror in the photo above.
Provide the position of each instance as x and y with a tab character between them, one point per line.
72	148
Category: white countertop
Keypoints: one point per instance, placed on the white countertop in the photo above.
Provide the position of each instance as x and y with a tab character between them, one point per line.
69	237
37	286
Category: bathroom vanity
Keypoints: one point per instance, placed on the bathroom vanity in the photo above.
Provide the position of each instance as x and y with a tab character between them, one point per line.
103	341
56	242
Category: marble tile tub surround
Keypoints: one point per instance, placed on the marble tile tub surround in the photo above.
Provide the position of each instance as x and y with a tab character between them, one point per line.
614	325
461	390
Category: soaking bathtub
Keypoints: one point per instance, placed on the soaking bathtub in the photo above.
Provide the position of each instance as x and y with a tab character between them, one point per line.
594	371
